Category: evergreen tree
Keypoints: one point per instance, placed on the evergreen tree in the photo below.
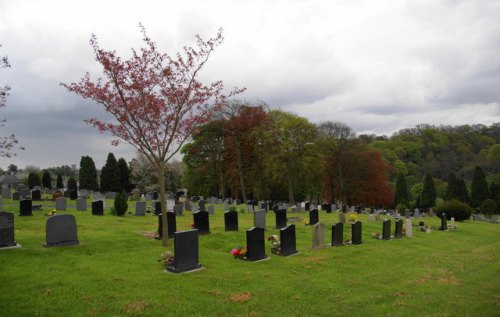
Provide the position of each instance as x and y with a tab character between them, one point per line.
479	188
463	193
124	173
46	179
72	185
402	194
111	175
59	182
88	174
33	180
452	191
495	194
104	182
428	197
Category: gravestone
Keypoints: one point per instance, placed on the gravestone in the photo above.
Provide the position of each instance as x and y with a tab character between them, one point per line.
155	196
61	204
186	252
140	208
98	208
263	205
313	217
201	205
307	206
356	233
327	208
377	215
24	193
73	194
148	197
36	195
226	205
211	210
408	230
280	215
60	230
16	196
318	236
398	232
288	242
255	244
188	206
231	220
201	222
6	193
421	224
7	230
452	220
156	208
444	224
370	217
250	209
338	234
416	214
386	230
25	207
171	224
81	204
56	194
259	219
298	207
179	209
407	214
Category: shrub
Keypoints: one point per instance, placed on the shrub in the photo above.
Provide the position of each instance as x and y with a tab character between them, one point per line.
454	208
121	204
488	207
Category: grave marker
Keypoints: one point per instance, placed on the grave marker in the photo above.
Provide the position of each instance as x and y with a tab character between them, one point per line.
280	216
313	217
201	222
211	210
288	241
36	195
259	219
81	204
408	230
140	208
356	233
386	230
231	220
7	230
318	236
25	207
255	244
60	230
444	224
186	252
398	232
98	208
338	234
61	204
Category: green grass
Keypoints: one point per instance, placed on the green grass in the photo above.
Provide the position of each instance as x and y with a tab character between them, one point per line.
114	272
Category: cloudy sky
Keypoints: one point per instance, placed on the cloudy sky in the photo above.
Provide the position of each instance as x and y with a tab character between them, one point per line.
377	66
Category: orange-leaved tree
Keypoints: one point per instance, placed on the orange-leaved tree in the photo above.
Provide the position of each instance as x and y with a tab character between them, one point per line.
155	98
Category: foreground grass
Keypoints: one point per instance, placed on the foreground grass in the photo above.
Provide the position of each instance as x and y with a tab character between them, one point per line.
114	272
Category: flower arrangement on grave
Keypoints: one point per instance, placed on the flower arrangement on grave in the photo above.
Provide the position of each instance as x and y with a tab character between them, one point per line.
191	226
275	244
306	222
352	217
376	235
167	258
52	212
239	253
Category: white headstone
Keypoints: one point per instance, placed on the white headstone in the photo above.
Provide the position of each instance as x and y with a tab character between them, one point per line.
409	232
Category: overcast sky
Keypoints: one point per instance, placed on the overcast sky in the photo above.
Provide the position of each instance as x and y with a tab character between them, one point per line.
377	66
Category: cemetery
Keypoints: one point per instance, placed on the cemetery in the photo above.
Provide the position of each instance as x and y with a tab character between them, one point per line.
111	265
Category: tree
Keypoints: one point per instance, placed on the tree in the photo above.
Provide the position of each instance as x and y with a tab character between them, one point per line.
479	188
428	196
104	180
46	179
120	203
123	173
72	184
88	174
402	195
156	100
7	143
463	193
59	182
33	180
495	194
452	188
110	175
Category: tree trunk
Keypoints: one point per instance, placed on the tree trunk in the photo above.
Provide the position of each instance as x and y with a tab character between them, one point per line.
163	203
240	174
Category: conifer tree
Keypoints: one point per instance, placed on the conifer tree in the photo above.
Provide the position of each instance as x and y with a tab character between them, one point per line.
33	180
110	175
59	182
463	193
124	173
428	196
46	179
402	194
452	190
72	185
479	188
88	174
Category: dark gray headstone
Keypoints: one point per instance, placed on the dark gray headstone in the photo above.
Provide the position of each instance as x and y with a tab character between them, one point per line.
7	230
81	204
231	220
140	208
6	193
188	205
444	222
171	222
61	204
307	206
398	232
201	222
280	215
73	194
185	251
36	195
211	210
327	208
386	230
60	230
179	209
25	193
259	219
356	233
155	195
263	205
25	207
255	244
338	234
156	208
313	217
288	241
98	208
16	196
202	205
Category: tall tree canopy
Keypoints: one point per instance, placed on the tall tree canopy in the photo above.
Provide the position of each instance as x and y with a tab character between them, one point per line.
156	99
46	179
479	188
88	174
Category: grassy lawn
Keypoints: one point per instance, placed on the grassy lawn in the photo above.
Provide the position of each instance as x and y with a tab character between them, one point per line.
114	272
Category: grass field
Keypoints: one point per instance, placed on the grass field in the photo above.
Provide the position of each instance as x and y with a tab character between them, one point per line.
114	272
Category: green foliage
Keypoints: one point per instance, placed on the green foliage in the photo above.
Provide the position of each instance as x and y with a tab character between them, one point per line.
454	208
488	207
428	196
72	185
120	203
123	172
59	182
233	208
33	180
452	189
479	188
110	175
402	196
495	194
463	193
88	174
46	179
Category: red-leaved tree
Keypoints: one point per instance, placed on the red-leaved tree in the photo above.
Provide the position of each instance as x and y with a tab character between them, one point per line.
155	98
